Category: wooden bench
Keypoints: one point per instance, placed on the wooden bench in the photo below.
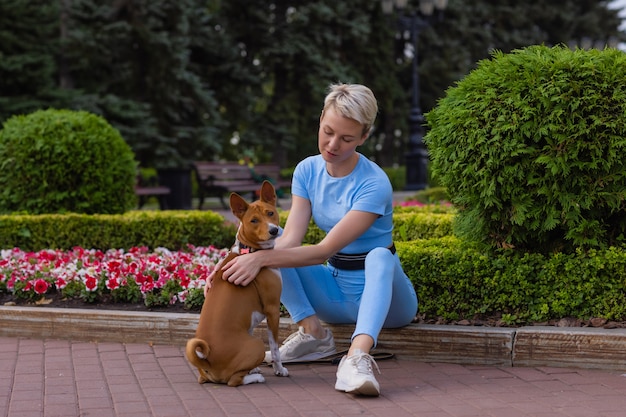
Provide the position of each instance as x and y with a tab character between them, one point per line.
144	190
216	179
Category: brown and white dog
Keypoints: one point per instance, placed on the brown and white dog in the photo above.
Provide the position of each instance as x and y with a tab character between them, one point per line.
224	349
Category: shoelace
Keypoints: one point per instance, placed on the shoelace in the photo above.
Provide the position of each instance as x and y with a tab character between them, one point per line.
293	338
363	363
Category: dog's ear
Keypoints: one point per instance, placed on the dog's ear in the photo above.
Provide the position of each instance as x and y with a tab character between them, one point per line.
268	194
238	205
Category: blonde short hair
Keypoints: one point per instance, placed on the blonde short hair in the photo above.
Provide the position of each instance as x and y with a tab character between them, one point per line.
354	101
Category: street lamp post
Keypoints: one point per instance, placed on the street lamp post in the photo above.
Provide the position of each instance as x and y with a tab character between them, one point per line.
416	157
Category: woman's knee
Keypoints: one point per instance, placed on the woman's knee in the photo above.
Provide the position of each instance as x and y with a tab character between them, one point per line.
379	258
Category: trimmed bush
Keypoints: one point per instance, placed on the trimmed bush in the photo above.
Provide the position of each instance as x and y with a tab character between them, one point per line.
531	146
431	195
413	226
456	280
169	229
409	223
57	161
430	208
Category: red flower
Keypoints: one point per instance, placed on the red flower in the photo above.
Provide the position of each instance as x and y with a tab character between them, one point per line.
141	278
112	283
114	265
184	279
91	284
41	286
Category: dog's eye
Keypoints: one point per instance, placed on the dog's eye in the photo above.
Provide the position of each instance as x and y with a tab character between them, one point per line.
254	220
270	213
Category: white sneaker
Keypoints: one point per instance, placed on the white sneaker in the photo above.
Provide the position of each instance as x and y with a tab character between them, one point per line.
302	347
355	375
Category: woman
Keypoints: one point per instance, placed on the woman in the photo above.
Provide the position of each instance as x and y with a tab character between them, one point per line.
350	198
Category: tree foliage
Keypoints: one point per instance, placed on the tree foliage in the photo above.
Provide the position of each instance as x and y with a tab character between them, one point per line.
29	49
137	59
220	79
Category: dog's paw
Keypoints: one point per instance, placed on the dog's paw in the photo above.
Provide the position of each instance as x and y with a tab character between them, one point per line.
280	370
256	370
253	379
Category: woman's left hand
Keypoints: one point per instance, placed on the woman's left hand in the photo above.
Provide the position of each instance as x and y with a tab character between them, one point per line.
243	269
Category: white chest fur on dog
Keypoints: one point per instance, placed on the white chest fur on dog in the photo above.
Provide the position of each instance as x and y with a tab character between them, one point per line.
224	349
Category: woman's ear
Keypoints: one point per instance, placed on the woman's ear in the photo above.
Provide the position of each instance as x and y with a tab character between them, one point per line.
364	138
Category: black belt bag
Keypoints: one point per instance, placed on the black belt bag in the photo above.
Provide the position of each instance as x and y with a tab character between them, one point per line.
352	262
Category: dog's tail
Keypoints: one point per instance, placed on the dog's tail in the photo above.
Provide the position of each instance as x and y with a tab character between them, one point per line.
197	351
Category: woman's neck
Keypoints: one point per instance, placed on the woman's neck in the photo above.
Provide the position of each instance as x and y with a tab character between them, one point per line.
344	168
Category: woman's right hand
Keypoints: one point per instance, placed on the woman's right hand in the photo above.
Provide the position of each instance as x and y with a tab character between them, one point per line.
207	285
209	280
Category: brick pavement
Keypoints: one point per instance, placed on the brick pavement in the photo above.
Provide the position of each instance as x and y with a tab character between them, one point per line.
64	378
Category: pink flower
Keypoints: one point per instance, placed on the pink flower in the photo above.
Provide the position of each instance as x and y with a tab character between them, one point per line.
147	287
41	286
11	283
60	283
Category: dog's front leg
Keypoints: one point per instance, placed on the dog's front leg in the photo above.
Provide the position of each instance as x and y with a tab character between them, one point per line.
277	363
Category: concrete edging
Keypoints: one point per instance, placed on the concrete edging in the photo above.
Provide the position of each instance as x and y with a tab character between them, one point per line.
526	346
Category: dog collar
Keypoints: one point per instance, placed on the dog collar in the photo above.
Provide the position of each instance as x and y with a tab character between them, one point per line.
242	249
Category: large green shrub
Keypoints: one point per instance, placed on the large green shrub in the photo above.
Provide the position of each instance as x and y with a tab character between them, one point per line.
55	161
531	146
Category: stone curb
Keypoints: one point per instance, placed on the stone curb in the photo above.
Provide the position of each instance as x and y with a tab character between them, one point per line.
526	346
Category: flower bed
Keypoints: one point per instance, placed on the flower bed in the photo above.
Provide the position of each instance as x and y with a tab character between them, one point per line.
158	278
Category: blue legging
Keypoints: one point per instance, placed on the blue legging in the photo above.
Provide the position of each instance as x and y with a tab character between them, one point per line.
379	296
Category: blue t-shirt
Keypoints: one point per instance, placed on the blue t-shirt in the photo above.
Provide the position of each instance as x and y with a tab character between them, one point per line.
366	188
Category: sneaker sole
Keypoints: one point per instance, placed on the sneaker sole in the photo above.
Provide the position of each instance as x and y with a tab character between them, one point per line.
306	358
368	388
311	356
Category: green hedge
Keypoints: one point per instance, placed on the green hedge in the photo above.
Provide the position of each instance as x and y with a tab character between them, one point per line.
409	223
456	280
413	226
170	229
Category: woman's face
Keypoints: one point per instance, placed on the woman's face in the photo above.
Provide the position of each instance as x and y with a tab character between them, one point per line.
338	137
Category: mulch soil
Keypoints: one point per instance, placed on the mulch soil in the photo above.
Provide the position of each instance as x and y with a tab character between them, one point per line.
56	300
